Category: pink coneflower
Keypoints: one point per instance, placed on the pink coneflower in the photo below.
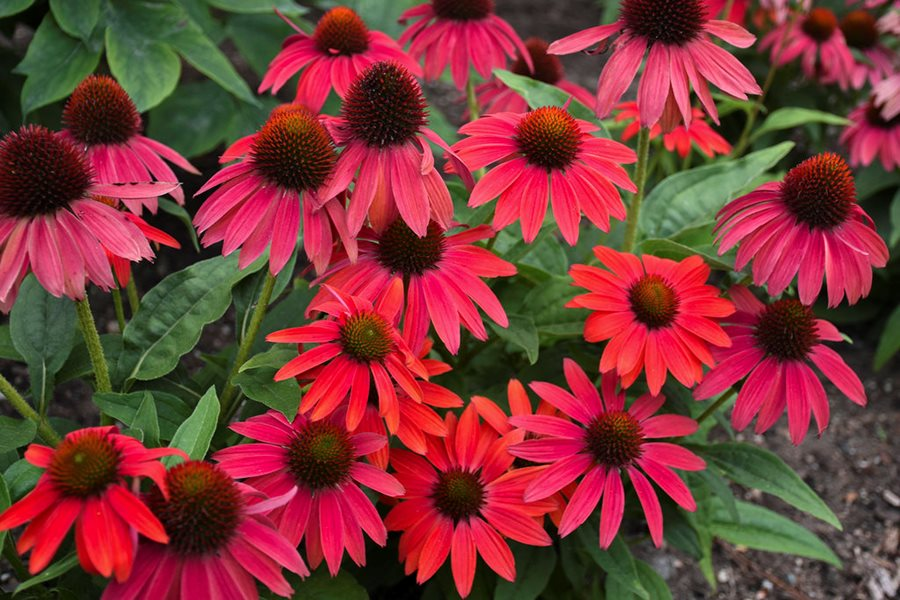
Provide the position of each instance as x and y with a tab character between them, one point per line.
493	95
385	138
681	56
658	315
84	484
441	276
812	214
546	155
260	199
862	31
121	266
461	500
241	147
819	43
715	9
359	343
774	344
680	139
339	49
102	119
605	441
870	136
50	222
462	33
886	95
220	542
317	462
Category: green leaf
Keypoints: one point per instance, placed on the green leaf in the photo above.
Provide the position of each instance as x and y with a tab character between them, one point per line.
616	561
320	586
176	210
7	348
695	196
872	179
537	94
546	303
889	342
521	333
57	569
895	220
258	37
171	410
12	7
146	420
666	248
5	502
193	120
21	477
790	117
534	567
761	529
198	50
15	433
148	70
259	6
258	385
758	468
78	19
656	586
54	64
195	434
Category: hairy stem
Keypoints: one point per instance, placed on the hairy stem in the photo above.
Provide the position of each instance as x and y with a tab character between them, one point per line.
23	408
120	309
640	180
92	341
134	300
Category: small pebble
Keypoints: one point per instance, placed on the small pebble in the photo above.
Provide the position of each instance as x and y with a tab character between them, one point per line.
891	498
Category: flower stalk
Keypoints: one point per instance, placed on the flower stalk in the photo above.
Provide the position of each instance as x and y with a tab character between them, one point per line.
23	408
640	180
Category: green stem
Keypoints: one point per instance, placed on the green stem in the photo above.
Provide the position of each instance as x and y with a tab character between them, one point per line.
92	341
23	408
472	100
229	392
716	405
640	180
10	554
134	301
727	11
120	309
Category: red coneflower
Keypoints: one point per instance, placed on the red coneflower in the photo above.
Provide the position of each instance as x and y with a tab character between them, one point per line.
610	440
317	462
101	118
681	57
863	32
812	214
84	484
658	315
680	139
772	346
339	49
260	199
385	138
869	136
219	542
546	155
359	343
50	222
461	33
441	276
461	500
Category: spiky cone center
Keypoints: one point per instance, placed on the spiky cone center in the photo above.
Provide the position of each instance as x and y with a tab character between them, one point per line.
860	29
85	465
293	150
462	10
203	509
320	455
99	111
458	494
820	191
385	105
653	301
366	337
614	439
787	330
402	251
342	31
549	137
876	119
40	173
670	22
820	24
547	67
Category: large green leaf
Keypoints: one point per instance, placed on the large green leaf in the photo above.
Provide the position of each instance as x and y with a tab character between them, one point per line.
76	18
258	385
54	64
258	37
695	196
195	434
267	7
15	433
889	342
521	333
666	248
761	469
790	117
21	477
194	119
617	561
148	70
7	348
12	7
146	421
537	94
320	586
198	50
534	566
57	569
171	410
761	529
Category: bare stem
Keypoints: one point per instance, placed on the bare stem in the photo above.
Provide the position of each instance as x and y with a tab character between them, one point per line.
640	180
23	408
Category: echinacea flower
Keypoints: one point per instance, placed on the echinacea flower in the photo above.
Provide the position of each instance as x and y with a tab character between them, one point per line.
462	33
50	221
121	266
359	343
604	442
383	132
84	484
220	542
461	500
101	118
261	200
862	31
680	139
819	43
869	136
339	49
773	345
681	57
886	96
318	464
242	146
441	274
494	96
811	214
546	156
658	315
